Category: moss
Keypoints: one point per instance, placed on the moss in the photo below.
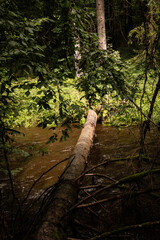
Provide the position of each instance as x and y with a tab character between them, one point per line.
59	234
138	175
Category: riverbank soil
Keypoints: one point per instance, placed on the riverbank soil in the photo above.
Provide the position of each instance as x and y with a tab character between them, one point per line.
120	197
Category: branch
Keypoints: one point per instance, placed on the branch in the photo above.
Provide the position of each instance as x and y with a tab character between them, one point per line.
96	201
130	178
101	175
26	197
139	109
86	226
119	230
147	123
116	197
100	164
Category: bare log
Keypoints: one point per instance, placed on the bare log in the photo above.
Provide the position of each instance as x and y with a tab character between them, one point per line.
66	193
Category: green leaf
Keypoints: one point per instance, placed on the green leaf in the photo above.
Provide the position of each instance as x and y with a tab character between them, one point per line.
13	43
30	30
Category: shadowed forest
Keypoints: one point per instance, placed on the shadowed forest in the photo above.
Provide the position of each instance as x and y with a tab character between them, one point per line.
70	67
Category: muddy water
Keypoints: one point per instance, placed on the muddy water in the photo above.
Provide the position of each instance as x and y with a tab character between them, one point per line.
33	167
123	146
114	143
109	143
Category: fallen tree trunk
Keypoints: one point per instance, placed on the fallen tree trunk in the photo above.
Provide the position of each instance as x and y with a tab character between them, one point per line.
66	193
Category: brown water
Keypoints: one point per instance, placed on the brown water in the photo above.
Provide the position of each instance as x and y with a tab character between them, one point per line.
33	167
109	143
113	143
122	145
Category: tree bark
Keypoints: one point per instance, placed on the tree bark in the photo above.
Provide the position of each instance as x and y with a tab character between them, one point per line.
77	57
101	24
66	193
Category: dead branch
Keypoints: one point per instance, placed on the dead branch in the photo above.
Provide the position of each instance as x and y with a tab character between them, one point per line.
91	186
86	226
100	164
128	179
119	196
96	201
126	228
101	175
38	179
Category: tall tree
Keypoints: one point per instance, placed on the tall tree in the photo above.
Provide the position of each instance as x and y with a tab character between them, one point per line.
100	8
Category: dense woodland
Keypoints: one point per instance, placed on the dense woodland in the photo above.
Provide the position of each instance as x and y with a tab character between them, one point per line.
52	71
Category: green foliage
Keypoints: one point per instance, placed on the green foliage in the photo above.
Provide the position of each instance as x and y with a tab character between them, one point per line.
13	172
45	106
42	46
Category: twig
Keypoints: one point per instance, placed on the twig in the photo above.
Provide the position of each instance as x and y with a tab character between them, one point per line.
94	213
139	109
128	179
45	192
100	164
86	226
101	175
96	201
92	186
119	230
99	202
74	238
116	197
24	200
91	195
45	201
137	176
41	177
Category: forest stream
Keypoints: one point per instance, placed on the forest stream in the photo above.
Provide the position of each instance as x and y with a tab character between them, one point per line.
115	145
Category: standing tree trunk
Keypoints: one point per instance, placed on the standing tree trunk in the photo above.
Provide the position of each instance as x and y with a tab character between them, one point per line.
101	24
77	57
77	53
